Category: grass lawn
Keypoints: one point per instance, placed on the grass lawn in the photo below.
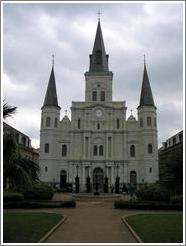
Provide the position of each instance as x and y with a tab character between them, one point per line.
158	228
27	227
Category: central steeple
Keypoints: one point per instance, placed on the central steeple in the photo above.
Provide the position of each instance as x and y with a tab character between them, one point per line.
98	58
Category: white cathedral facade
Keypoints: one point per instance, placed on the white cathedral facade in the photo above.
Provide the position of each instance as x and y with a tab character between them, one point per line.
99	142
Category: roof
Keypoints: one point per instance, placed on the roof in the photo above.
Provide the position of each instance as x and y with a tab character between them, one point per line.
7	127
98	58
146	98
51	94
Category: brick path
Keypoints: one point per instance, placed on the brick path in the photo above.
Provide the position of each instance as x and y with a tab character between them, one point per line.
92	222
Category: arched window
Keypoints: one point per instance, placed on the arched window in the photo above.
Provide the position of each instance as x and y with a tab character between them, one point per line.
79	123
94	96
95	150
155	122
133	178
101	150
117	123
55	122
132	151
149	121
98	57
109	146
150	148
98	126
141	122
102	97
41	122
48	121
64	150
46	169
46	148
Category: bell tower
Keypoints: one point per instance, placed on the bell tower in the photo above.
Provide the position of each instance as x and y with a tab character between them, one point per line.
98	78
49	132
148	131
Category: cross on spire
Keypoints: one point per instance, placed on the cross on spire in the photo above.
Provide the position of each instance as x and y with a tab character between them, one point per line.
52	59
99	14
144	59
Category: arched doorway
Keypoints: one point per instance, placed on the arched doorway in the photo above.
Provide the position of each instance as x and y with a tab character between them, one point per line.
63	179
133	178
98	176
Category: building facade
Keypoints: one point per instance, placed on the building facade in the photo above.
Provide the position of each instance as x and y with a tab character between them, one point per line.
23	143
99	141
171	162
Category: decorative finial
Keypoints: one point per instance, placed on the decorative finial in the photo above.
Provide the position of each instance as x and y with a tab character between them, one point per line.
131	111
52	59
66	112
99	13
144	60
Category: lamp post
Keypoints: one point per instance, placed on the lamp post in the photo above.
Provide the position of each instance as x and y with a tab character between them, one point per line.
88	182
106	181
77	180
117	181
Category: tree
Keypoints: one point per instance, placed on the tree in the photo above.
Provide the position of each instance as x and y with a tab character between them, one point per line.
8	110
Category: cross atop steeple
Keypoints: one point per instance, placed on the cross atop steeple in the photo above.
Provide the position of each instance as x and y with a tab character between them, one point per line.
99	13
144	60
52	60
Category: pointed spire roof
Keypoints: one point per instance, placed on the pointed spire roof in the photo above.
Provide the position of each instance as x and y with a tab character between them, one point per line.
51	94
146	98
98	58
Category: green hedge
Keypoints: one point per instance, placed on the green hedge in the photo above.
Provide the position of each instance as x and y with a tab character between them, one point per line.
176	199
39	191
157	205
12	196
153	192
40	204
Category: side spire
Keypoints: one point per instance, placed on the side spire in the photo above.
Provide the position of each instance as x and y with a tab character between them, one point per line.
51	94
146	98
98	58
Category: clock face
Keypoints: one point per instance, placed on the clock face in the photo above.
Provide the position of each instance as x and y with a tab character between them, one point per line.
98	113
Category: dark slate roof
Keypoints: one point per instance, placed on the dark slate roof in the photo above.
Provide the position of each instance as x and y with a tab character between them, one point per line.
146	98
51	94
98	59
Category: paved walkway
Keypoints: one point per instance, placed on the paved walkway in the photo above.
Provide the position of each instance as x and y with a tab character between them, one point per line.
92	222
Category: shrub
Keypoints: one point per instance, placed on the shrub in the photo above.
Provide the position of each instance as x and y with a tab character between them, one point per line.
39	191
176	199
12	196
157	205
153	192
40	204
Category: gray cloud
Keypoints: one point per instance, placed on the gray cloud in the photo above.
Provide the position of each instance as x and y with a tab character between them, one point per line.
32	32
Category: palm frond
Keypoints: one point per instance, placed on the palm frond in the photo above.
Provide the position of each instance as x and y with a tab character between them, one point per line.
8	110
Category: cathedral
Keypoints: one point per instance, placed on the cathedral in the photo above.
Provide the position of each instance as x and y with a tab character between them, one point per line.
98	141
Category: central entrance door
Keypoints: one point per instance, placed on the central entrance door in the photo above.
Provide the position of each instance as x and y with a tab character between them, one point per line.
63	179
98	176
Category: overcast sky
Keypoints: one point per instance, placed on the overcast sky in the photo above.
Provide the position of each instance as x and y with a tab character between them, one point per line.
34	31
